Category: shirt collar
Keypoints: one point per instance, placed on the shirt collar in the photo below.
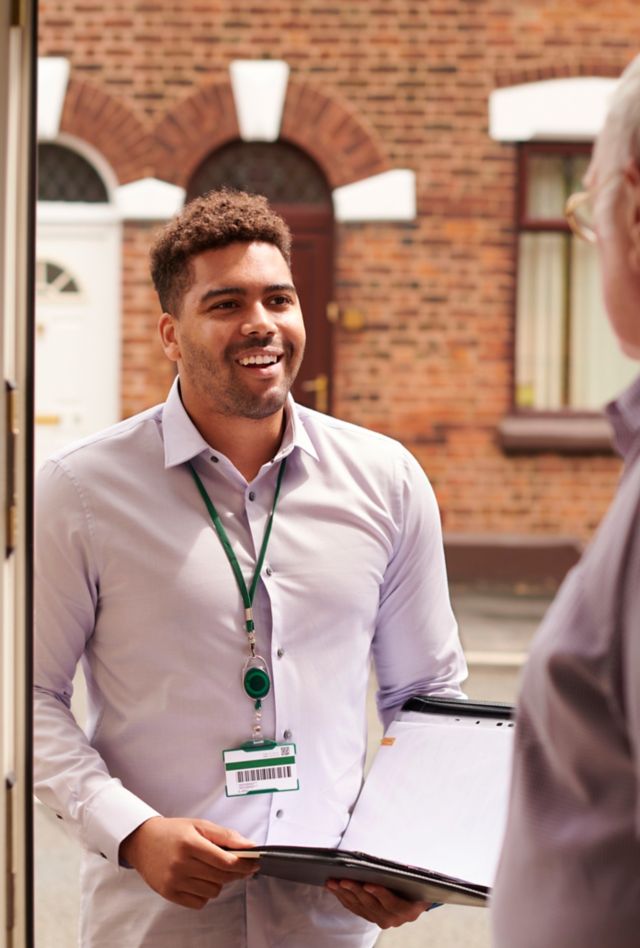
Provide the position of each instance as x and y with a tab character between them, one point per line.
624	415
183	441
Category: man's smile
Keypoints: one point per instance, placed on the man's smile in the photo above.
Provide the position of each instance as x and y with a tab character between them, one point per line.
259	358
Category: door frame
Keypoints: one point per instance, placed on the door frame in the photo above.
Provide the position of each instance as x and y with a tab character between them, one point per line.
18	58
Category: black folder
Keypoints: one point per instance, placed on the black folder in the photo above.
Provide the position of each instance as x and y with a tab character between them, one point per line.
428	822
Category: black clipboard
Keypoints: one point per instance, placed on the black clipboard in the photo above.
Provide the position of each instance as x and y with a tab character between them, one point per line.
414	879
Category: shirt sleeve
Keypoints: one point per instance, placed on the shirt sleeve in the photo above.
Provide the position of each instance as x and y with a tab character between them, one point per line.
70	776
416	646
630	657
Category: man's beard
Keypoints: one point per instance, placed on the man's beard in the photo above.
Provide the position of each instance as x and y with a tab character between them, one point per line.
224	391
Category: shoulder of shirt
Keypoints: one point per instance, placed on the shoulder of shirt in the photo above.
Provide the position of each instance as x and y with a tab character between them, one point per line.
109	437
318	425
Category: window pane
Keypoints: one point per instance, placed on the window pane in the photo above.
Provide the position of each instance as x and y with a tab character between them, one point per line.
51	280
278	170
547	188
599	370
566	354
64	175
540	326
578	168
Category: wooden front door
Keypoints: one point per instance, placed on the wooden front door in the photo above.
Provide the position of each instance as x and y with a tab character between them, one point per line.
312	265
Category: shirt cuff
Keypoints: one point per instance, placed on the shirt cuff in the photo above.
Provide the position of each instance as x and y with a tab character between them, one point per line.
111	816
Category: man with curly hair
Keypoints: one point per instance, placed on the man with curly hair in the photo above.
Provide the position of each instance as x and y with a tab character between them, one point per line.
224	566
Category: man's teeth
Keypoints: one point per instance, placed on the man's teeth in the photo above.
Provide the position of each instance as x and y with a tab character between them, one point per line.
258	360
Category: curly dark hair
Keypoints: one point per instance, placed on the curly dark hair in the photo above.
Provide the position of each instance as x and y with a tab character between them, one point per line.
212	221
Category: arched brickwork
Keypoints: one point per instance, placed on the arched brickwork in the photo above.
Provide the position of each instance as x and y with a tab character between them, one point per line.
98	118
193	129
320	125
331	133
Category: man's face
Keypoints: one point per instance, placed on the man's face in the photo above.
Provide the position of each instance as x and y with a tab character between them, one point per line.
616	192
239	337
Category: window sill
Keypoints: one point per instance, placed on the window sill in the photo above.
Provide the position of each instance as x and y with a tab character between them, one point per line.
535	433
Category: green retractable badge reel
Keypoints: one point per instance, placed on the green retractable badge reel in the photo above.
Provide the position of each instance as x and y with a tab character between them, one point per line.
255	678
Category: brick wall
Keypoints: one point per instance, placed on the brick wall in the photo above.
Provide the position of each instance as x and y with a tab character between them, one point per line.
433	364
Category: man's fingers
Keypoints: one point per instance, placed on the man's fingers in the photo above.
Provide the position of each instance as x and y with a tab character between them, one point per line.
207	840
212	872
222	835
375	903
393	903
222	863
181	860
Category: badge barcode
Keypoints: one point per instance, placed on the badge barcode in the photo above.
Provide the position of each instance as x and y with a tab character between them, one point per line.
263	773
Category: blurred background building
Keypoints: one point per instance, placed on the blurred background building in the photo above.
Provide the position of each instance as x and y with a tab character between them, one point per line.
422	152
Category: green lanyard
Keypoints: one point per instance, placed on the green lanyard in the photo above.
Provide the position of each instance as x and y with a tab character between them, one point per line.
255	674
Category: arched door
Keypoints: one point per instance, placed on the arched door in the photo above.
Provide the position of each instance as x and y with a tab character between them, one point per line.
77	301
296	189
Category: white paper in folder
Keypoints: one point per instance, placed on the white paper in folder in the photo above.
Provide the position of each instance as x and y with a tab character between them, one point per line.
436	795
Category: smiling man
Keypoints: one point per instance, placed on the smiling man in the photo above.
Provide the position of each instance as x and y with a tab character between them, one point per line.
224	566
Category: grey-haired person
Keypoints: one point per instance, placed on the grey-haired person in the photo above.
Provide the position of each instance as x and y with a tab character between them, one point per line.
569	875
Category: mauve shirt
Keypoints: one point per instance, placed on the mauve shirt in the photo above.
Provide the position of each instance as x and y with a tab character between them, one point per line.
132	581
569	875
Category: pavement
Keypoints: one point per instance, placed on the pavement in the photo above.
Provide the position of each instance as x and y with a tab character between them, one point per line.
495	628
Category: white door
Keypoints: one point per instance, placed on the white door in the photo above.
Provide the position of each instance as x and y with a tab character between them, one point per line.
78	284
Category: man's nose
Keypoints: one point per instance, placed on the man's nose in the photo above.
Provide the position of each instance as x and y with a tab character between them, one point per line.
258	320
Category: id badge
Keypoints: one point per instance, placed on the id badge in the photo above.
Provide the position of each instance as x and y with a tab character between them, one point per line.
264	767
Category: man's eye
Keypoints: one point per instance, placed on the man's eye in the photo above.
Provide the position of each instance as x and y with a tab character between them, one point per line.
280	300
225	304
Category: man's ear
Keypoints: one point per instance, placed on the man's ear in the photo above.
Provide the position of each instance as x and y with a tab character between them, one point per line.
631	173
169	336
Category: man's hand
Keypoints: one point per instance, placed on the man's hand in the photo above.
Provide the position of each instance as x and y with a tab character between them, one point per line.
181	859
375	903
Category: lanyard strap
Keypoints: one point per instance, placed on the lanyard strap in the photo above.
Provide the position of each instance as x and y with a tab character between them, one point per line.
247	594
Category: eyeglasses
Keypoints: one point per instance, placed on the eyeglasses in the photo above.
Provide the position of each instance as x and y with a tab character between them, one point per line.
579	210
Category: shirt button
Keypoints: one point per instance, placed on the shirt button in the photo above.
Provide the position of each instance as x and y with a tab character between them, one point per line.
214	459
280	652
252	495
269	571
287	735
279	814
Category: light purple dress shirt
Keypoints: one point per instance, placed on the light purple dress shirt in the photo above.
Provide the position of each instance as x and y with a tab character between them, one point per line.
569	875
133	582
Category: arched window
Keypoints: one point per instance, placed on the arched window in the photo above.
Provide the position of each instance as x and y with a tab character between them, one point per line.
280	171
64	175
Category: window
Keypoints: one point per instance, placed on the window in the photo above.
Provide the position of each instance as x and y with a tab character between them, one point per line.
53	280
64	175
567	358
278	170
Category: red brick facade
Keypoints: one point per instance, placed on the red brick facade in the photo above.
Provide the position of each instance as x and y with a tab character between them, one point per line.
374	85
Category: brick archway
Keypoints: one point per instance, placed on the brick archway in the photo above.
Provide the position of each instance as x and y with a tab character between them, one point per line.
103	121
320	125
198	125
334	135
